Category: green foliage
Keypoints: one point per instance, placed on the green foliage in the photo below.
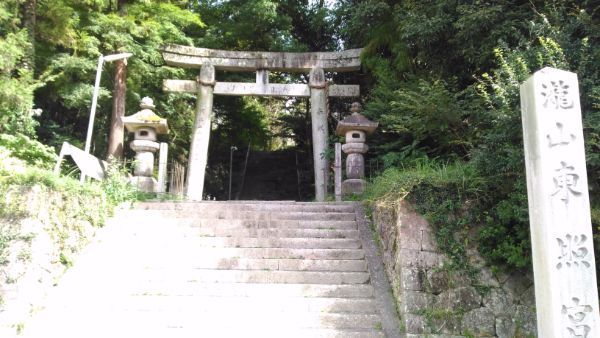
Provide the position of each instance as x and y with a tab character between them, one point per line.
116	184
31	151
16	78
439	192
445	84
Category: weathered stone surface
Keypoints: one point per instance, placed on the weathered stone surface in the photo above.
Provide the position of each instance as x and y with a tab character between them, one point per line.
415	324
499	301
353	186
355	148
465	298
517	283
252	89
479	322
458	278
505	327
418	273
429	335
320	131
412	279
448	323
425	259
198	157
415	301
184	56
438	281
355	166
559	206
487	278
525	318
528	297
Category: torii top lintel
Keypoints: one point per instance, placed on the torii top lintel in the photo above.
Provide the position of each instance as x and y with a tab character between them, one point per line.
193	57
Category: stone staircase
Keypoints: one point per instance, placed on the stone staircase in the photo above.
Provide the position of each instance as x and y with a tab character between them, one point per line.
225	269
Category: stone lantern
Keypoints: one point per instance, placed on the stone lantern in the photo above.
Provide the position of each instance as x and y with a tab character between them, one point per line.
355	128
145	125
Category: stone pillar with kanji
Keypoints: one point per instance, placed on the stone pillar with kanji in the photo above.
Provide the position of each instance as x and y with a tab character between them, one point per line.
559	208
355	129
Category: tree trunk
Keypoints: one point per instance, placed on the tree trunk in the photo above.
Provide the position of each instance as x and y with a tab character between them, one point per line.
29	23
116	133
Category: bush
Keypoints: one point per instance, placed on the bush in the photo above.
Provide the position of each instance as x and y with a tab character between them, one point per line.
28	150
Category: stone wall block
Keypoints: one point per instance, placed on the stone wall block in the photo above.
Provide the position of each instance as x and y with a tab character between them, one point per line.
479	322
410	238
518	283
438	281
433	336
505	327
412	279
465	298
417	258
415	324
458	278
487	278
415	301
499	301
528	297
525	317
446	324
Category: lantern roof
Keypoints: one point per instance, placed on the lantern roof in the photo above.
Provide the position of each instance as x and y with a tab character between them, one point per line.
146	118
356	121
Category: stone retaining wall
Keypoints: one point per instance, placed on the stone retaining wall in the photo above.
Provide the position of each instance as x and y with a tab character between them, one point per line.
41	236
436	302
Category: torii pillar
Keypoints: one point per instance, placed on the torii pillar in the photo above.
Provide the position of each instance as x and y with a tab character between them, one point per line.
320	130
201	134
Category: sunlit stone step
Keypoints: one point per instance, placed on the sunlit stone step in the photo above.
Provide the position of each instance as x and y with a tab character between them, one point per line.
280	253
253	276
182	288
247	206
224	305
248	215
119	321
216	231
237	263
296	243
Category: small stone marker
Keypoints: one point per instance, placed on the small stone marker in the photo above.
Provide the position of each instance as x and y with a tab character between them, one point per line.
337	170
559	207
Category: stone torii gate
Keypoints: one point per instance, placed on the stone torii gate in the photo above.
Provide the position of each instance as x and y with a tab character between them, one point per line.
209	60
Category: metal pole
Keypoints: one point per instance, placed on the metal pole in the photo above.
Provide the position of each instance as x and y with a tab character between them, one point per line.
231	150
88	138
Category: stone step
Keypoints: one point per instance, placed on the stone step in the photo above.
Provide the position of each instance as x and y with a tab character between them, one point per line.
192	221
246	206
119	321
74	324
286	253
236	263
231	213
203	304
249	276
183	288
217	231
295	243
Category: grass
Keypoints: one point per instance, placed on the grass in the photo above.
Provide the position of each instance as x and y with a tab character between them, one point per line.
440	192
